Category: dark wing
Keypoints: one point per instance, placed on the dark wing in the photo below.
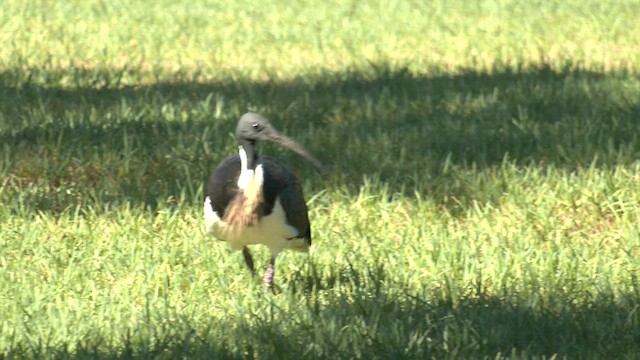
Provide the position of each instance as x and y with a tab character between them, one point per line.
223	184
281	182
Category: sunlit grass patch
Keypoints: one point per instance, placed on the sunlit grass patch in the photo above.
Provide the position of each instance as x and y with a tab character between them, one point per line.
481	199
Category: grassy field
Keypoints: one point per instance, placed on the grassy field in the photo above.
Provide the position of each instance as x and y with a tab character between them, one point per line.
482	198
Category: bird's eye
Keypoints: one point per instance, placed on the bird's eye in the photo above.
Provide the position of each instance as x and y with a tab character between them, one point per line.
256	126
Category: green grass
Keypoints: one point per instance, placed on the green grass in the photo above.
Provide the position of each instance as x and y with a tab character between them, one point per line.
482	199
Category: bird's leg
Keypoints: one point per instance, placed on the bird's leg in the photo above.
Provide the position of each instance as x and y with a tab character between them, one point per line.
248	260
267	280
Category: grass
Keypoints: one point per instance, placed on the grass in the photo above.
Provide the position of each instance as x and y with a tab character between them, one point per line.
481	201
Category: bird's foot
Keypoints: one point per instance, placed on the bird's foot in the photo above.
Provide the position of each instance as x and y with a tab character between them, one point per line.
267	280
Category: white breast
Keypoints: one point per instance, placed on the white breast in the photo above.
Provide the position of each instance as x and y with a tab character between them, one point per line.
271	231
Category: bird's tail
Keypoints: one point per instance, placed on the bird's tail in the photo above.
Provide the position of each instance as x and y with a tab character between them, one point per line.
300	244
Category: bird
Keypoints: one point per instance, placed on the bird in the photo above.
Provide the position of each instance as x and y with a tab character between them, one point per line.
252	199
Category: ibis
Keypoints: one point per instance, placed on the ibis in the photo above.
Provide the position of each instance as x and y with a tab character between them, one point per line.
252	199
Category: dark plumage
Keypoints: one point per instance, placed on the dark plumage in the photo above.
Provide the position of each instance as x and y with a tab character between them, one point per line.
278	181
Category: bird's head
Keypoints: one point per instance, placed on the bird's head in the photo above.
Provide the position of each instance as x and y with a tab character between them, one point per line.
253	127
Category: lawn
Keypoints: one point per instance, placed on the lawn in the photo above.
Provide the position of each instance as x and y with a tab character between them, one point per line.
482	198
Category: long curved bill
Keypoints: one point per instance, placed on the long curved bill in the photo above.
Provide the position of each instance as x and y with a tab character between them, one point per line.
294	146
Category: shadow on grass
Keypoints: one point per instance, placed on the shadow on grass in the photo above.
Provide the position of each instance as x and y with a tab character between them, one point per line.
373	321
97	143
450	322
153	142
